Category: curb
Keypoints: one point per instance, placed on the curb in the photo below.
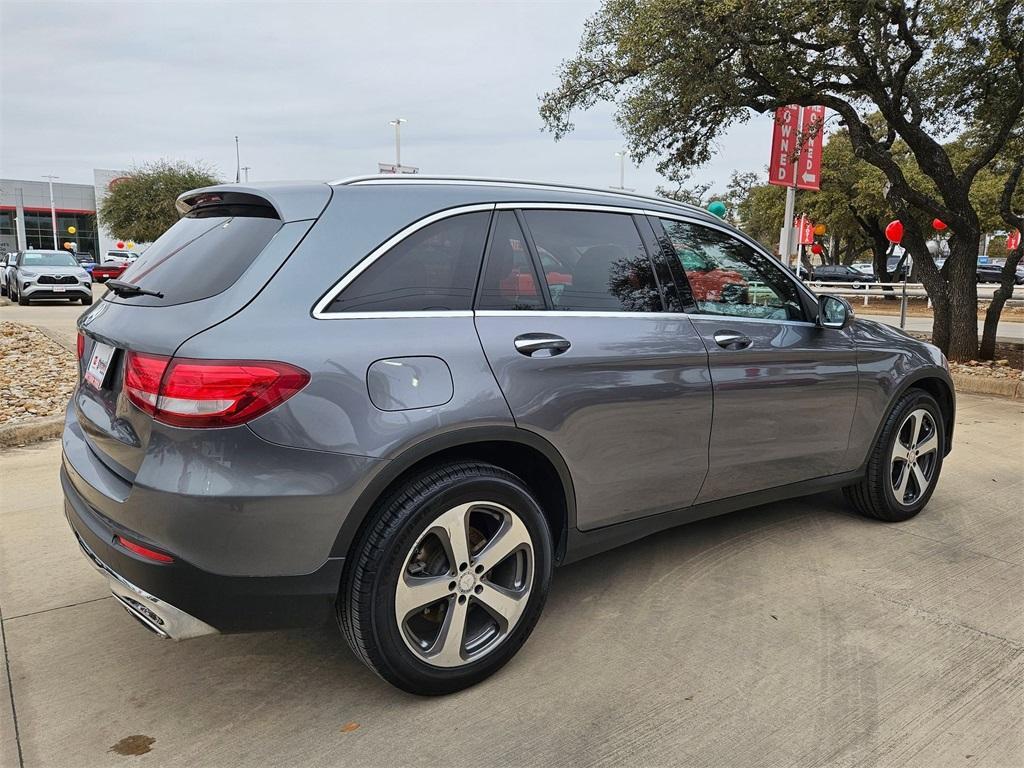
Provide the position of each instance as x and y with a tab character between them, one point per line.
33	431
985	385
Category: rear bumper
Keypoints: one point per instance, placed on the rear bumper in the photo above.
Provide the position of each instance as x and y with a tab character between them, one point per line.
179	601
155	614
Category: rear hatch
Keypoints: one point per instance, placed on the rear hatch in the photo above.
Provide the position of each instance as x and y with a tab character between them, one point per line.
205	268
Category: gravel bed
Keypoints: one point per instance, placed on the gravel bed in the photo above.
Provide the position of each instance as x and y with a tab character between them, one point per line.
998	369
37	374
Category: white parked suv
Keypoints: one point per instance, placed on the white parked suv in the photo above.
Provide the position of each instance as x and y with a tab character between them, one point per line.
47	275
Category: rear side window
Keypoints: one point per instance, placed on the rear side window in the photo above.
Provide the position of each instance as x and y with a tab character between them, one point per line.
594	261
432	270
510	281
201	255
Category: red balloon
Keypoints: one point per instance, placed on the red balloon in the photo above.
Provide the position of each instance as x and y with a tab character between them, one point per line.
894	231
938	225
816	249
1013	240
120	244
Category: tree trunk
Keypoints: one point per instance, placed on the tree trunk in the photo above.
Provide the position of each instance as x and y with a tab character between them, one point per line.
962	288
995	309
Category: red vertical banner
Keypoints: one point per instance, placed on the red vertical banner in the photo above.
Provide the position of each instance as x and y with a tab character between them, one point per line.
806	228
782	165
808	171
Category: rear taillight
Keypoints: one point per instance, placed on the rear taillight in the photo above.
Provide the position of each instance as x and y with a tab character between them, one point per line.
208	393
80	345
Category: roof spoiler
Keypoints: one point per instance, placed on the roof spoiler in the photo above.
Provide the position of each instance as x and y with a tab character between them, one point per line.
284	201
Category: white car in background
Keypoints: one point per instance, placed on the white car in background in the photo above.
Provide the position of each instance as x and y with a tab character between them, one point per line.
864	266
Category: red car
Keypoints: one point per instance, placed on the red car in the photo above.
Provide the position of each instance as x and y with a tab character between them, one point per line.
103	272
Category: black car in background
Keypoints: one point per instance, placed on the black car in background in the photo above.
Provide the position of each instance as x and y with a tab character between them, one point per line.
991	272
840	273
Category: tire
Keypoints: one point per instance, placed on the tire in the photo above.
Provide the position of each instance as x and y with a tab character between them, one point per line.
86	301
891	489
404	538
22	300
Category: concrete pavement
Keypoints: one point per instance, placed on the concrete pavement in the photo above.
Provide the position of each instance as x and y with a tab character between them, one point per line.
794	634
1005	331
57	318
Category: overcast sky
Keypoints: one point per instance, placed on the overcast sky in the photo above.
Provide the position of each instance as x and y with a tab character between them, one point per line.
309	88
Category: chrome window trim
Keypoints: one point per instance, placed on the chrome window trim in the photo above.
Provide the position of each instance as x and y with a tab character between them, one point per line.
571	313
320	309
581	207
747	240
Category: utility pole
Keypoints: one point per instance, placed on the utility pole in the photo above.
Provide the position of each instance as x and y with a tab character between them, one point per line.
53	210
622	172
238	164
397	122
246	168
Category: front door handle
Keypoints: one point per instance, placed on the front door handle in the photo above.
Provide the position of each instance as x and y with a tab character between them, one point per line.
732	340
541	344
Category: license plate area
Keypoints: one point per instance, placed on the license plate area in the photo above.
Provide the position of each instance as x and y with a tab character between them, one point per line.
59	289
98	370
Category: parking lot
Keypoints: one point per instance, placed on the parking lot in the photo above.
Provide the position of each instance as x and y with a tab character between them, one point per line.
794	634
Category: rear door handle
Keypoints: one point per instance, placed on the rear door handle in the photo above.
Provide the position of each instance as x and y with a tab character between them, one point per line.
541	344
731	340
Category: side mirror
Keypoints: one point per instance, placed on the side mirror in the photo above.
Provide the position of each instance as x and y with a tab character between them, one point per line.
834	312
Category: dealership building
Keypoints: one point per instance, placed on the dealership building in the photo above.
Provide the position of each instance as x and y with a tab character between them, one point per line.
25	217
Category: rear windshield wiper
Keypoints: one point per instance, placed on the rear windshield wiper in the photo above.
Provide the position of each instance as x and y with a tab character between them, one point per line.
127	290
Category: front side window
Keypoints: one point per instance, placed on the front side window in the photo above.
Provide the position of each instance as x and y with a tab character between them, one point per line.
432	270
594	261
728	277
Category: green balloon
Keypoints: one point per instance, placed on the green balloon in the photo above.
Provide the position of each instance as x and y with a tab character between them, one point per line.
718	208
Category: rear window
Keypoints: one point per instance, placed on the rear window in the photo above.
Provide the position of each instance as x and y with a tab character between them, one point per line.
202	255
432	270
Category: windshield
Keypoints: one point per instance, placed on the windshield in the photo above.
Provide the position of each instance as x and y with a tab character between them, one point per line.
48	260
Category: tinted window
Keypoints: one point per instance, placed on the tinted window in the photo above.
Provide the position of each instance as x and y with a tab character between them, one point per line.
200	256
510	281
594	261
728	277
432	270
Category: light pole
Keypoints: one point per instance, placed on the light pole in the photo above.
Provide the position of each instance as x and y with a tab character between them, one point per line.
397	122
246	168
622	169
53	210
238	164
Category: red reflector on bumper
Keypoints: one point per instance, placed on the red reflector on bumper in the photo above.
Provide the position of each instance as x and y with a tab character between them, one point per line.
145	552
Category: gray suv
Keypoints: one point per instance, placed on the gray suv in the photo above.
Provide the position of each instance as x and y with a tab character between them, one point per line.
404	401
34	275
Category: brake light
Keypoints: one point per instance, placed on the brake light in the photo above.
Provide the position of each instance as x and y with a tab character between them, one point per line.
208	393
80	344
146	552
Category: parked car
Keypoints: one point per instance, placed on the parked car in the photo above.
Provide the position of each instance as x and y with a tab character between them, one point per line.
110	271
86	260
349	415
41	274
896	269
840	273
6	265
992	272
864	267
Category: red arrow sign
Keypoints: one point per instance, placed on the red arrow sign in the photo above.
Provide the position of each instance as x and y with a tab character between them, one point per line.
781	168
808	171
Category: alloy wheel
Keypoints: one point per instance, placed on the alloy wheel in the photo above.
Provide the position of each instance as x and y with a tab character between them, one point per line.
914	457
464	584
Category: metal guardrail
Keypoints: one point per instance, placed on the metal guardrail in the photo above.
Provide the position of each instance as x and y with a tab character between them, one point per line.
903	291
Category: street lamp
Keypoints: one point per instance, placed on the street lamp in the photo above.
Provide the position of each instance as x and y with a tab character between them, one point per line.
397	122
622	169
53	211
246	168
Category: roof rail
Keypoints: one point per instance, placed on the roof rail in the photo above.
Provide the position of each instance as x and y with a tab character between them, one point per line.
498	182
